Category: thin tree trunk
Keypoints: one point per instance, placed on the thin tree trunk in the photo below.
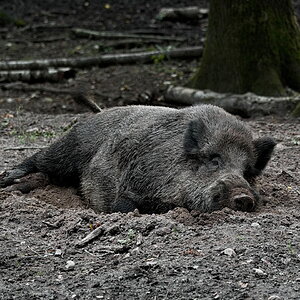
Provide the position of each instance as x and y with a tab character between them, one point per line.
251	46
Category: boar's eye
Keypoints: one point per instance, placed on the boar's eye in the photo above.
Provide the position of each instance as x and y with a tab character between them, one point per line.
215	162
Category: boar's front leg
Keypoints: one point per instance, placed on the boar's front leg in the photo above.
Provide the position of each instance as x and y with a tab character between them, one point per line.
124	204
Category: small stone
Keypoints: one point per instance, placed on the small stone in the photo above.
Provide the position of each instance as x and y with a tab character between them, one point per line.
259	272
242	284
58	252
203	11
59	278
151	263
256	225
48	99
32	130
139	239
70	265
135	250
274	297
229	251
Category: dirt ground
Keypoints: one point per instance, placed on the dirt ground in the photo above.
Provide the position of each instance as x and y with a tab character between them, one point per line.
177	255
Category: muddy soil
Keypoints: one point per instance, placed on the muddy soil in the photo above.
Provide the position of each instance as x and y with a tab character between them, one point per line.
177	255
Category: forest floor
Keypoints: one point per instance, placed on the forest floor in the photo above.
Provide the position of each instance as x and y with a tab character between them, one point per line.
177	255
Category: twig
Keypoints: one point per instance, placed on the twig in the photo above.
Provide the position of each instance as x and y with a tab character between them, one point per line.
39	255
22	148
80	32
91	236
57	224
80	98
89	253
95	233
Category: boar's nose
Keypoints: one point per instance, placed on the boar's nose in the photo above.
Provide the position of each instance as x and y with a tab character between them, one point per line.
243	202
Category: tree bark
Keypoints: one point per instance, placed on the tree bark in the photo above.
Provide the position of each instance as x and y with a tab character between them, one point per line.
251	46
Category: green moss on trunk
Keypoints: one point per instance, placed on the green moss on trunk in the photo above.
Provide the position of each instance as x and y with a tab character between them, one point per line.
251	46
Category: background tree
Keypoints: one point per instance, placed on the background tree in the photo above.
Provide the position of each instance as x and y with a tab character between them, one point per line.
251	46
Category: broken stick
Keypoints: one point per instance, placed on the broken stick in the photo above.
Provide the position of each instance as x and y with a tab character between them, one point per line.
184	13
78	94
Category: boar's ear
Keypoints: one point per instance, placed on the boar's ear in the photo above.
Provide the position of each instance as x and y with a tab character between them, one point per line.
263	148
193	137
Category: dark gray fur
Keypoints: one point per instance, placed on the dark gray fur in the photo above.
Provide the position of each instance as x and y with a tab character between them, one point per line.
156	158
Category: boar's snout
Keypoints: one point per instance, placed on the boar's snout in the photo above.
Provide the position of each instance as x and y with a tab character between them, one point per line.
242	200
232	191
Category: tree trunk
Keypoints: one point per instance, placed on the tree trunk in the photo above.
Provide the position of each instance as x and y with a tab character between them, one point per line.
252	46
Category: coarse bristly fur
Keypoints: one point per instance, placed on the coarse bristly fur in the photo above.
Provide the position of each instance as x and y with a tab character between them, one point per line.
156	158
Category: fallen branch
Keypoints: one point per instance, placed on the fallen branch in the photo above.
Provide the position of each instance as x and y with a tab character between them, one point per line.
34	76
78	94
246	105
85	33
185	13
103	60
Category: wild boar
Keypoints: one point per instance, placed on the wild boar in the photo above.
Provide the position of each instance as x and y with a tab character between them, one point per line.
156	158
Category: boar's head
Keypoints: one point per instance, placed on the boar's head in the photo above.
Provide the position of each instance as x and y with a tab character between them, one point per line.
224	161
